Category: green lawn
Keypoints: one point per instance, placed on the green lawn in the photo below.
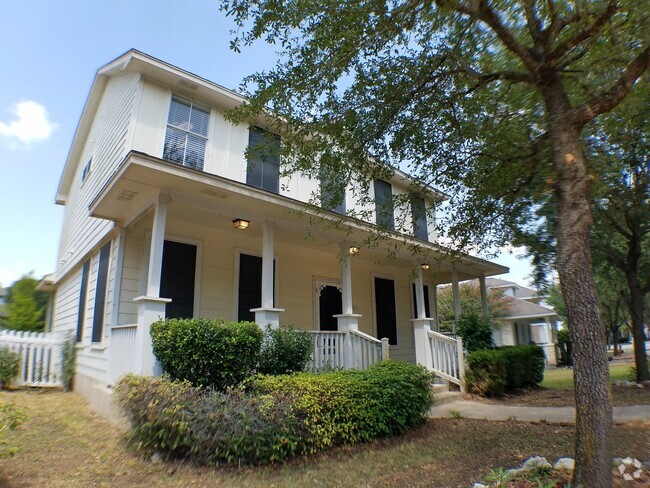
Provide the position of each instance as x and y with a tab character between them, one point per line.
563	378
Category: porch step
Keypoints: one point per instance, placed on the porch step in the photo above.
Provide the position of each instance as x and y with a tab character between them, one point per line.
447	397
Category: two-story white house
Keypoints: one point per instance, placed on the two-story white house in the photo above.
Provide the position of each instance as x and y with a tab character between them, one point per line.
166	217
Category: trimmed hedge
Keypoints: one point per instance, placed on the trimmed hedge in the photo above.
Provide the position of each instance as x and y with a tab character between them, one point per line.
346	407
490	372
207	353
486	373
279	417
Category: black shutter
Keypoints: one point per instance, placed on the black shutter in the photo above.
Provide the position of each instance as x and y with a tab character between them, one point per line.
384	204
100	292
385	310
263	166
81	312
177	279
419	214
332	190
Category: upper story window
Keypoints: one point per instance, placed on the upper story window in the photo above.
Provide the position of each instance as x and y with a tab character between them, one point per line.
86	170
187	133
332	190
263	166
419	215
384	204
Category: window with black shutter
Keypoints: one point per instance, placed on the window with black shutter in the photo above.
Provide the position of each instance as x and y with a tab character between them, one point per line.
385	311
100	292
263	165
419	214
427	309
384	204
81	309
250	286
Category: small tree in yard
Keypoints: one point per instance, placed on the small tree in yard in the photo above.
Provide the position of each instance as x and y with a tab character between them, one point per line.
476	332
470	302
25	307
486	100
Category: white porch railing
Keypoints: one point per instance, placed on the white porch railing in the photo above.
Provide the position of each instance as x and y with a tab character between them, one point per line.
122	351
448	360
353	350
41	354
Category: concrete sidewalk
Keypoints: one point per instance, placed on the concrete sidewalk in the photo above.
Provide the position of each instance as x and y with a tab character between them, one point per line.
475	410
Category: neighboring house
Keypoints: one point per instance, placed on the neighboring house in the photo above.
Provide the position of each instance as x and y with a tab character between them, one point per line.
164	216
529	319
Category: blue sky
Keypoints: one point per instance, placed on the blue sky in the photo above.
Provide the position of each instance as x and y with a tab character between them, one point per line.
51	52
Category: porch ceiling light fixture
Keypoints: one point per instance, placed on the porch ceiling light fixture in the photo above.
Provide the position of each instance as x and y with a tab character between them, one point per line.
241	224
354	250
425	266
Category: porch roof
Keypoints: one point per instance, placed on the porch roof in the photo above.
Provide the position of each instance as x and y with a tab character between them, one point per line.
208	199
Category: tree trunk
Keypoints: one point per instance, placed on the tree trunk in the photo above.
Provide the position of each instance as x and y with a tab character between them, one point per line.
637	306
590	365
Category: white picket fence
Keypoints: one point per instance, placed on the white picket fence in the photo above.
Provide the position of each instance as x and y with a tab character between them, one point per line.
343	350
41	355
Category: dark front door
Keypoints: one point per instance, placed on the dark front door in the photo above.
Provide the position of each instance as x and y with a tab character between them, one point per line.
177	279
385	310
329	304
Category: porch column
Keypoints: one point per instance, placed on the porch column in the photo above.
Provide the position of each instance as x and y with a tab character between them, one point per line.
150	306
347	320
421	325
267	314
484	297
434	308
456	291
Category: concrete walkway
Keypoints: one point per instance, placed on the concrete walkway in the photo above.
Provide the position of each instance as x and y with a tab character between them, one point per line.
475	410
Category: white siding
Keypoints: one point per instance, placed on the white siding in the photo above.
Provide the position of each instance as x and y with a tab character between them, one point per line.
66	302
107	144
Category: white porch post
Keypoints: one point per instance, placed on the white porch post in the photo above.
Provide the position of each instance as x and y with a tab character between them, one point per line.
267	314
421	326
484	297
150	306
434	308
456	291
348	320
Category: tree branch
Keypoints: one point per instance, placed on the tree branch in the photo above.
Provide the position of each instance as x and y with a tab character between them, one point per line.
584	34
610	98
533	23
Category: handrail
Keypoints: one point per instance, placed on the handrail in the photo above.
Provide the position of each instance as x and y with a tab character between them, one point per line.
365	336
441	337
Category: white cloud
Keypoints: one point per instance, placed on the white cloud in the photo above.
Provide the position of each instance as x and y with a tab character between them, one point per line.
30	125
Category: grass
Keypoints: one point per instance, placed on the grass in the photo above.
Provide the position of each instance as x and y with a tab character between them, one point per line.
63	444
562	378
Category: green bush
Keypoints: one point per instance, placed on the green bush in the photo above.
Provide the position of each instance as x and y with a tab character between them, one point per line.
176	419
352	406
246	429
565	346
491	372
9	366
69	362
524	365
486	373
476	332
159	412
207	353
284	351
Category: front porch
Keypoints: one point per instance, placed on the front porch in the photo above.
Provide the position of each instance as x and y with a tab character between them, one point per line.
289	266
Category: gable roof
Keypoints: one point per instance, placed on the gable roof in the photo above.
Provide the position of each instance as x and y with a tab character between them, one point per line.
520	309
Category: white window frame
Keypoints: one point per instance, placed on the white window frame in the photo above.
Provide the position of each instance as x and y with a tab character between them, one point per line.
206	137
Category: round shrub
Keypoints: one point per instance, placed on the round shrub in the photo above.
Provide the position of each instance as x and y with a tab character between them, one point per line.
9	366
207	353
524	365
284	351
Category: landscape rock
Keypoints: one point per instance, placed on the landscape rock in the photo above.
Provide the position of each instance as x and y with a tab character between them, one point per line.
480	485
566	464
536	462
511	473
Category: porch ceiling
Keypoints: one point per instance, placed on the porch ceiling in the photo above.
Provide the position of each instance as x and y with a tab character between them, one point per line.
209	200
